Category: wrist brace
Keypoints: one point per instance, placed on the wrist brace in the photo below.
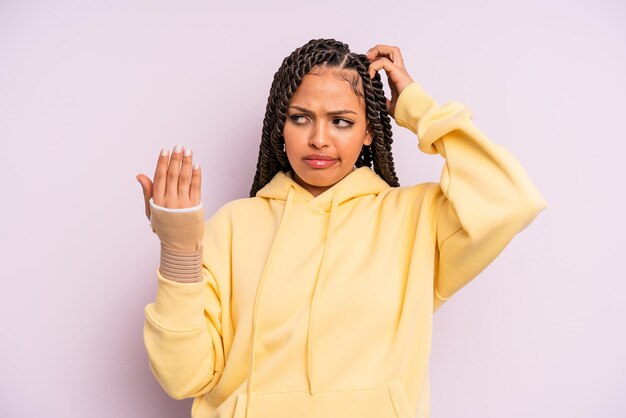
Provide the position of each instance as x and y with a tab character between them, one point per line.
180	233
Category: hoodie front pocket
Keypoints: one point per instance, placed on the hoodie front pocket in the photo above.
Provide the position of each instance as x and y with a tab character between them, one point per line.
387	401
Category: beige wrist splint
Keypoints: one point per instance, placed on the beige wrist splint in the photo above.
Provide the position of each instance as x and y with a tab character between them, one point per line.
181	234
181	266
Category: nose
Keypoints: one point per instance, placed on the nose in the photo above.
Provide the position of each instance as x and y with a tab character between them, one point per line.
319	136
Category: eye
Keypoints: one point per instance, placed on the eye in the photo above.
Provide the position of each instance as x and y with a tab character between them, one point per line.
343	123
298	119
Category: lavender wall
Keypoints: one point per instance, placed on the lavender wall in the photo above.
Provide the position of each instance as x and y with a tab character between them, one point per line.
91	91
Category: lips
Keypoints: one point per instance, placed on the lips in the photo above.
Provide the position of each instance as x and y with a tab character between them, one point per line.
319	157
320	160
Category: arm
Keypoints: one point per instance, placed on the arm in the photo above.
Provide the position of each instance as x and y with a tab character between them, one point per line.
183	327
182	336
486	196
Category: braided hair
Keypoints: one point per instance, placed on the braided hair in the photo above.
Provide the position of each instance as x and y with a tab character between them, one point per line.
332	54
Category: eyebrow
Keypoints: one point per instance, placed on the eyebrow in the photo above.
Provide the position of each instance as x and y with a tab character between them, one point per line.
333	112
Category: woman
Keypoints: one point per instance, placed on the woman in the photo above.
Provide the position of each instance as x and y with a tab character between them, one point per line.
314	297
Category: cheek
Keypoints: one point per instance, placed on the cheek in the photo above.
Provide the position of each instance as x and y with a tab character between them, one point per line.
290	135
353	142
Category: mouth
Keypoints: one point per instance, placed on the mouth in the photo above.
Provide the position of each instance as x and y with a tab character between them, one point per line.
323	157
320	161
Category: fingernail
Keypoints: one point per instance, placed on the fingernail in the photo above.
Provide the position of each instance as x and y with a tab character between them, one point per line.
178	148
187	152
164	152
196	166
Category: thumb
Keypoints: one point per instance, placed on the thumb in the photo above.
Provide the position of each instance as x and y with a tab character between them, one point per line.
146	186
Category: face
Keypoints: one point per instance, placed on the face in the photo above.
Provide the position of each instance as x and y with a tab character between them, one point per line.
325	129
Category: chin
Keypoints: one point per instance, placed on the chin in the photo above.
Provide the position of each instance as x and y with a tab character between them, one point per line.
320	177
319	180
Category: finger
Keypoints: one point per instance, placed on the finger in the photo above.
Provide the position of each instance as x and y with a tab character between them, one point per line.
184	179
171	186
158	189
385	51
196	185
146	186
379	64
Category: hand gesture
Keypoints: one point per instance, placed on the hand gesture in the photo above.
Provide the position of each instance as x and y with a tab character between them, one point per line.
176	183
389	58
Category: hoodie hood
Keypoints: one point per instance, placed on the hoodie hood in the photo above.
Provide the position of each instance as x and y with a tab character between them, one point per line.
360	182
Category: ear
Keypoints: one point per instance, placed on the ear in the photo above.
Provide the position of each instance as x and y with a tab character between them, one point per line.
368	136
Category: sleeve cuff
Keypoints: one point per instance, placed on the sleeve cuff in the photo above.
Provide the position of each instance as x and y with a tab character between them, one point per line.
178	306
412	103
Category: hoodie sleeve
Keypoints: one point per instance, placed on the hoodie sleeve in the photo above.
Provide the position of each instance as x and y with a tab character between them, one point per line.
486	196
183	330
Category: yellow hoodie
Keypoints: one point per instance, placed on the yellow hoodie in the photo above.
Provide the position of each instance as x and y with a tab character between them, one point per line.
322	306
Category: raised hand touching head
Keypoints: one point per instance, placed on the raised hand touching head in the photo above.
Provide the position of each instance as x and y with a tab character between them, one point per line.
389	58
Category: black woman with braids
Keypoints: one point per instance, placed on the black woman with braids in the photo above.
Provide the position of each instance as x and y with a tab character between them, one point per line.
314	296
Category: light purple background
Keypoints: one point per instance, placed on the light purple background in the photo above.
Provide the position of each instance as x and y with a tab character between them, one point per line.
91	91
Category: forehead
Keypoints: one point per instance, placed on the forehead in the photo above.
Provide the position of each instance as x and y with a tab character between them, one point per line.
328	89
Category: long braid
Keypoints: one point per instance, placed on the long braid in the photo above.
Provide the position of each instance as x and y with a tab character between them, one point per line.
332	54
380	123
